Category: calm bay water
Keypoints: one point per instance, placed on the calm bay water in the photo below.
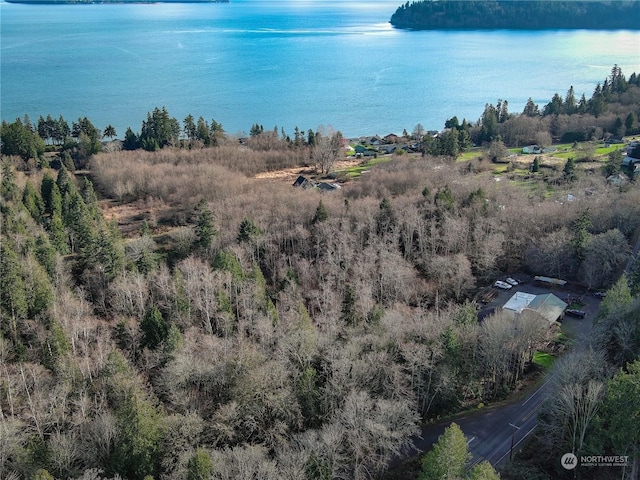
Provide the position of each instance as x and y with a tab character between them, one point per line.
286	63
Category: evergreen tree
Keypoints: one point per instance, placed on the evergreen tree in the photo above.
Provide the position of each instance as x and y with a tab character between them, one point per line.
147	262
448	458
619	295
321	214
489	124
37	286
617	81
618	127
464	139
614	163
189	128
622	413
386	217
65	186
531	109
19	139
8	187
139	443
298	137
154	329
349	312
62	131
597	104
582	105
50	195
88	137
150	144
554	107
57	234
502	109
256	130
307	387
484	471
216	133
33	202
107	252
84	125
45	253
630	123
634	278
90	198
131	141
581	234
248	231
203	132
42	474
159	130
452	123
205	228
79	223
200	466
450	143
444	198
535	168
569	170
570	104
13	292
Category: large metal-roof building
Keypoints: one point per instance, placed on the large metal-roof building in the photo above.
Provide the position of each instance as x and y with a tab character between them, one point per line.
546	305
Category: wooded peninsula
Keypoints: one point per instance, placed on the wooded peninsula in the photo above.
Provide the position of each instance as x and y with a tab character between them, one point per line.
517	15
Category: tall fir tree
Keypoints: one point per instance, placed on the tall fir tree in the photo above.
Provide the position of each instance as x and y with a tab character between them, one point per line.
205	227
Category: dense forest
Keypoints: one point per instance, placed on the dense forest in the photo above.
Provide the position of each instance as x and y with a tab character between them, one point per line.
165	314
517	15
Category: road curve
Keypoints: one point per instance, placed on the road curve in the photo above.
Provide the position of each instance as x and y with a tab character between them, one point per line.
491	431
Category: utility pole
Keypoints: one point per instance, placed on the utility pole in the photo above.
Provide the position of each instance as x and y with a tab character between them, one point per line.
513	434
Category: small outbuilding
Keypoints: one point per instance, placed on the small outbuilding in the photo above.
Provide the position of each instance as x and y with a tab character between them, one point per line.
303	182
328	187
532	149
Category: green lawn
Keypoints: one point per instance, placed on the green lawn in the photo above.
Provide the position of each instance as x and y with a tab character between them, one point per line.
566	150
470	155
543	359
500	167
356	171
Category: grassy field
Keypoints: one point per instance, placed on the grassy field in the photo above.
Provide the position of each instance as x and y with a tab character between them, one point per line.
598	152
357	170
543	359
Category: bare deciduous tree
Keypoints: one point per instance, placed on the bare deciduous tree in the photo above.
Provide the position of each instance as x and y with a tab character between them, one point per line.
578	384
326	149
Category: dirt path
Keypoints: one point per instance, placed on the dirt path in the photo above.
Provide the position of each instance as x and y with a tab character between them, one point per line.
293	173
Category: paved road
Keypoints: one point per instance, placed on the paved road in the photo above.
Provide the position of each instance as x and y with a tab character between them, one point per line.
490	432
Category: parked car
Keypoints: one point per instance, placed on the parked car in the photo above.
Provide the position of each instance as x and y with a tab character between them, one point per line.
575	313
512	281
599	294
502	285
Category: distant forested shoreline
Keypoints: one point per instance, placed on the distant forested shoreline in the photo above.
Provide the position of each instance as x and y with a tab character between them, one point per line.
66	2
517	15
